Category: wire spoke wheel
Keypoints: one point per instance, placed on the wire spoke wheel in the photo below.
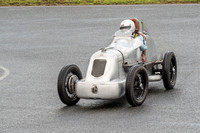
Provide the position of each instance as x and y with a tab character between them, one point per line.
136	85
169	70
67	80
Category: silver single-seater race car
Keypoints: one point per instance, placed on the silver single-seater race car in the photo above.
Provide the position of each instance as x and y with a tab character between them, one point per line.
119	69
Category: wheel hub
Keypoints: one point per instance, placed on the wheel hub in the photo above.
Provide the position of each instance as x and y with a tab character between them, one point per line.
172	72
70	83
139	86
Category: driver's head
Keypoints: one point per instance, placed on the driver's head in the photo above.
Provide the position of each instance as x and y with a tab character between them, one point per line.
127	25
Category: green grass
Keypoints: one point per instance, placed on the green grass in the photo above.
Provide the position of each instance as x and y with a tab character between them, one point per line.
89	2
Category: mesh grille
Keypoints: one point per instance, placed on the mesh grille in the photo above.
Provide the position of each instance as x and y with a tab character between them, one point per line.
98	67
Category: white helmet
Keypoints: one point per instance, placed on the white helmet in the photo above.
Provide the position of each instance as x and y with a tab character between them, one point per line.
127	25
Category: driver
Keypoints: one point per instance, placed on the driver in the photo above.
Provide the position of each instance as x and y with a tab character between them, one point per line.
129	24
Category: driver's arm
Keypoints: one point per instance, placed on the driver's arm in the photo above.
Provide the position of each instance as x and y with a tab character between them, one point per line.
143	48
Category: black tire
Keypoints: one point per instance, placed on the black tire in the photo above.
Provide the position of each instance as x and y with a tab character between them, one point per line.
136	85
169	70
67	78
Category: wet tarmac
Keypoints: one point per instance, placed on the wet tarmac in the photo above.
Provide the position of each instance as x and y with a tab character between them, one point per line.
35	42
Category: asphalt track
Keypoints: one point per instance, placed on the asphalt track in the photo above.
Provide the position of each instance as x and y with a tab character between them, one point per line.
35	42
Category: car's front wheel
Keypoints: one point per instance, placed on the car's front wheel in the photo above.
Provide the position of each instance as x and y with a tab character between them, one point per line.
136	85
67	79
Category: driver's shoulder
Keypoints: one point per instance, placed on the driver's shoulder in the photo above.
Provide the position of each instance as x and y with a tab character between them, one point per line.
139	36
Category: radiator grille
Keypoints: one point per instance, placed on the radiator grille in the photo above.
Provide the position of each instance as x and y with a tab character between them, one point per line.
98	67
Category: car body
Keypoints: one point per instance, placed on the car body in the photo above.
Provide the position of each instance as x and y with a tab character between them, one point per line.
118	70
106	66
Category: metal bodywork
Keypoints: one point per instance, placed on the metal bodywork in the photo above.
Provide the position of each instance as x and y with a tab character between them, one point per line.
107	69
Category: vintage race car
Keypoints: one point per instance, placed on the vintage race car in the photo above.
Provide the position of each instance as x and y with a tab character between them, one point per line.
118	70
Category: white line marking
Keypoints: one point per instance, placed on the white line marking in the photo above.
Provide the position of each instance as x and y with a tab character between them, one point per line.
5	74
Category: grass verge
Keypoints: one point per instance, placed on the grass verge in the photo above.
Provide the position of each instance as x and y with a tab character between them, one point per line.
90	2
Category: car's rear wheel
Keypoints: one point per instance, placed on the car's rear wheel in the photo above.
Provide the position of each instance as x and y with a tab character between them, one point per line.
169	70
136	85
67	79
